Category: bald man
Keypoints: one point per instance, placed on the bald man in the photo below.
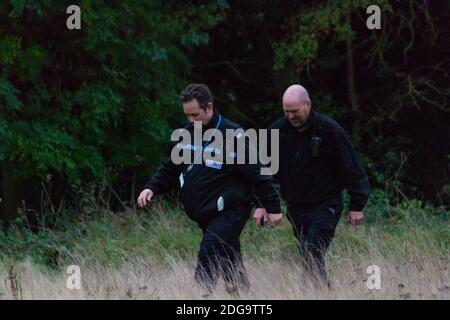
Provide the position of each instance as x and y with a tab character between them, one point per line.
317	162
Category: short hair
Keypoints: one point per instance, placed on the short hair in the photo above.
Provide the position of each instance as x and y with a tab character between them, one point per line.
197	91
304	96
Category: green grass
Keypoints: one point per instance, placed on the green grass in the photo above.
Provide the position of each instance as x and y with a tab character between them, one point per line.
408	228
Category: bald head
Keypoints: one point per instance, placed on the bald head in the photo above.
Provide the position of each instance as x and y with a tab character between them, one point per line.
296	105
296	94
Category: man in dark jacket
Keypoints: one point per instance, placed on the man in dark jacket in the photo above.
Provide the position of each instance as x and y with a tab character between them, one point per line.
215	194
317	162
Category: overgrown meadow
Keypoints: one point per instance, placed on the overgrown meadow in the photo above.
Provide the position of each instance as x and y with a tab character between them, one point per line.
151	254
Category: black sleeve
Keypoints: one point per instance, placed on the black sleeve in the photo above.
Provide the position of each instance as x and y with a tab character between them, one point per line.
351	172
255	201
165	177
264	185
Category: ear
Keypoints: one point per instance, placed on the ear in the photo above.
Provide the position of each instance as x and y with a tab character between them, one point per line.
209	108
308	103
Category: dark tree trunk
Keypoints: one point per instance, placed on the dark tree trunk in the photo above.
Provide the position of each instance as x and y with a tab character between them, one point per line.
351	87
11	193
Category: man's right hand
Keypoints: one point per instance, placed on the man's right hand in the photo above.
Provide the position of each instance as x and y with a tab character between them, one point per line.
145	197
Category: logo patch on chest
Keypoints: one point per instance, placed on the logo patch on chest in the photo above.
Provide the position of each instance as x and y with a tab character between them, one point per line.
213	164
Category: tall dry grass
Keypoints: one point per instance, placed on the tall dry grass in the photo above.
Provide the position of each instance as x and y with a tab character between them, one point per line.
152	255
271	278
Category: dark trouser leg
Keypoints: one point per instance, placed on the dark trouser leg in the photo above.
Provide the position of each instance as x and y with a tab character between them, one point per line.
314	230
220	250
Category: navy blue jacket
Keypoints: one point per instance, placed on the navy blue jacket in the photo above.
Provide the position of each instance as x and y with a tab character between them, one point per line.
201	185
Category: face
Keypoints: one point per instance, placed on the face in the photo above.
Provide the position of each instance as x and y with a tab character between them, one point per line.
296	112
194	112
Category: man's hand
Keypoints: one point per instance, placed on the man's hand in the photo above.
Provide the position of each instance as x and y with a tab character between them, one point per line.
274	219
263	218
145	197
260	216
355	217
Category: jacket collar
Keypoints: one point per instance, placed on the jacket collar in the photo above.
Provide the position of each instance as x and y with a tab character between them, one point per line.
214	120
211	124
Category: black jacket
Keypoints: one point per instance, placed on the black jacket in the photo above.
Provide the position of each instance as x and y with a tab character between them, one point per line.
203	184
310	175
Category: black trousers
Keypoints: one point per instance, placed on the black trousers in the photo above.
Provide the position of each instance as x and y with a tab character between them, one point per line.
220	250
314	229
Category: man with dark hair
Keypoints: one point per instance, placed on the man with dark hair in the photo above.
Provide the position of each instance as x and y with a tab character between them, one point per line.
317	161
215	195
197	91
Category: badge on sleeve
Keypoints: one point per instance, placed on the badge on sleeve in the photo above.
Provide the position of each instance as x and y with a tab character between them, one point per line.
181	180
220	204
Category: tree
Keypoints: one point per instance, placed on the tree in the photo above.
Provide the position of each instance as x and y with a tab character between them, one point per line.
93	104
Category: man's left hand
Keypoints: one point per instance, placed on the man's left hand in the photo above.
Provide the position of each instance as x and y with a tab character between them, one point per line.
274	219
260	216
355	217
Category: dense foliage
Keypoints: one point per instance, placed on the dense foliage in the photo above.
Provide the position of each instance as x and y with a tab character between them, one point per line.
97	105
